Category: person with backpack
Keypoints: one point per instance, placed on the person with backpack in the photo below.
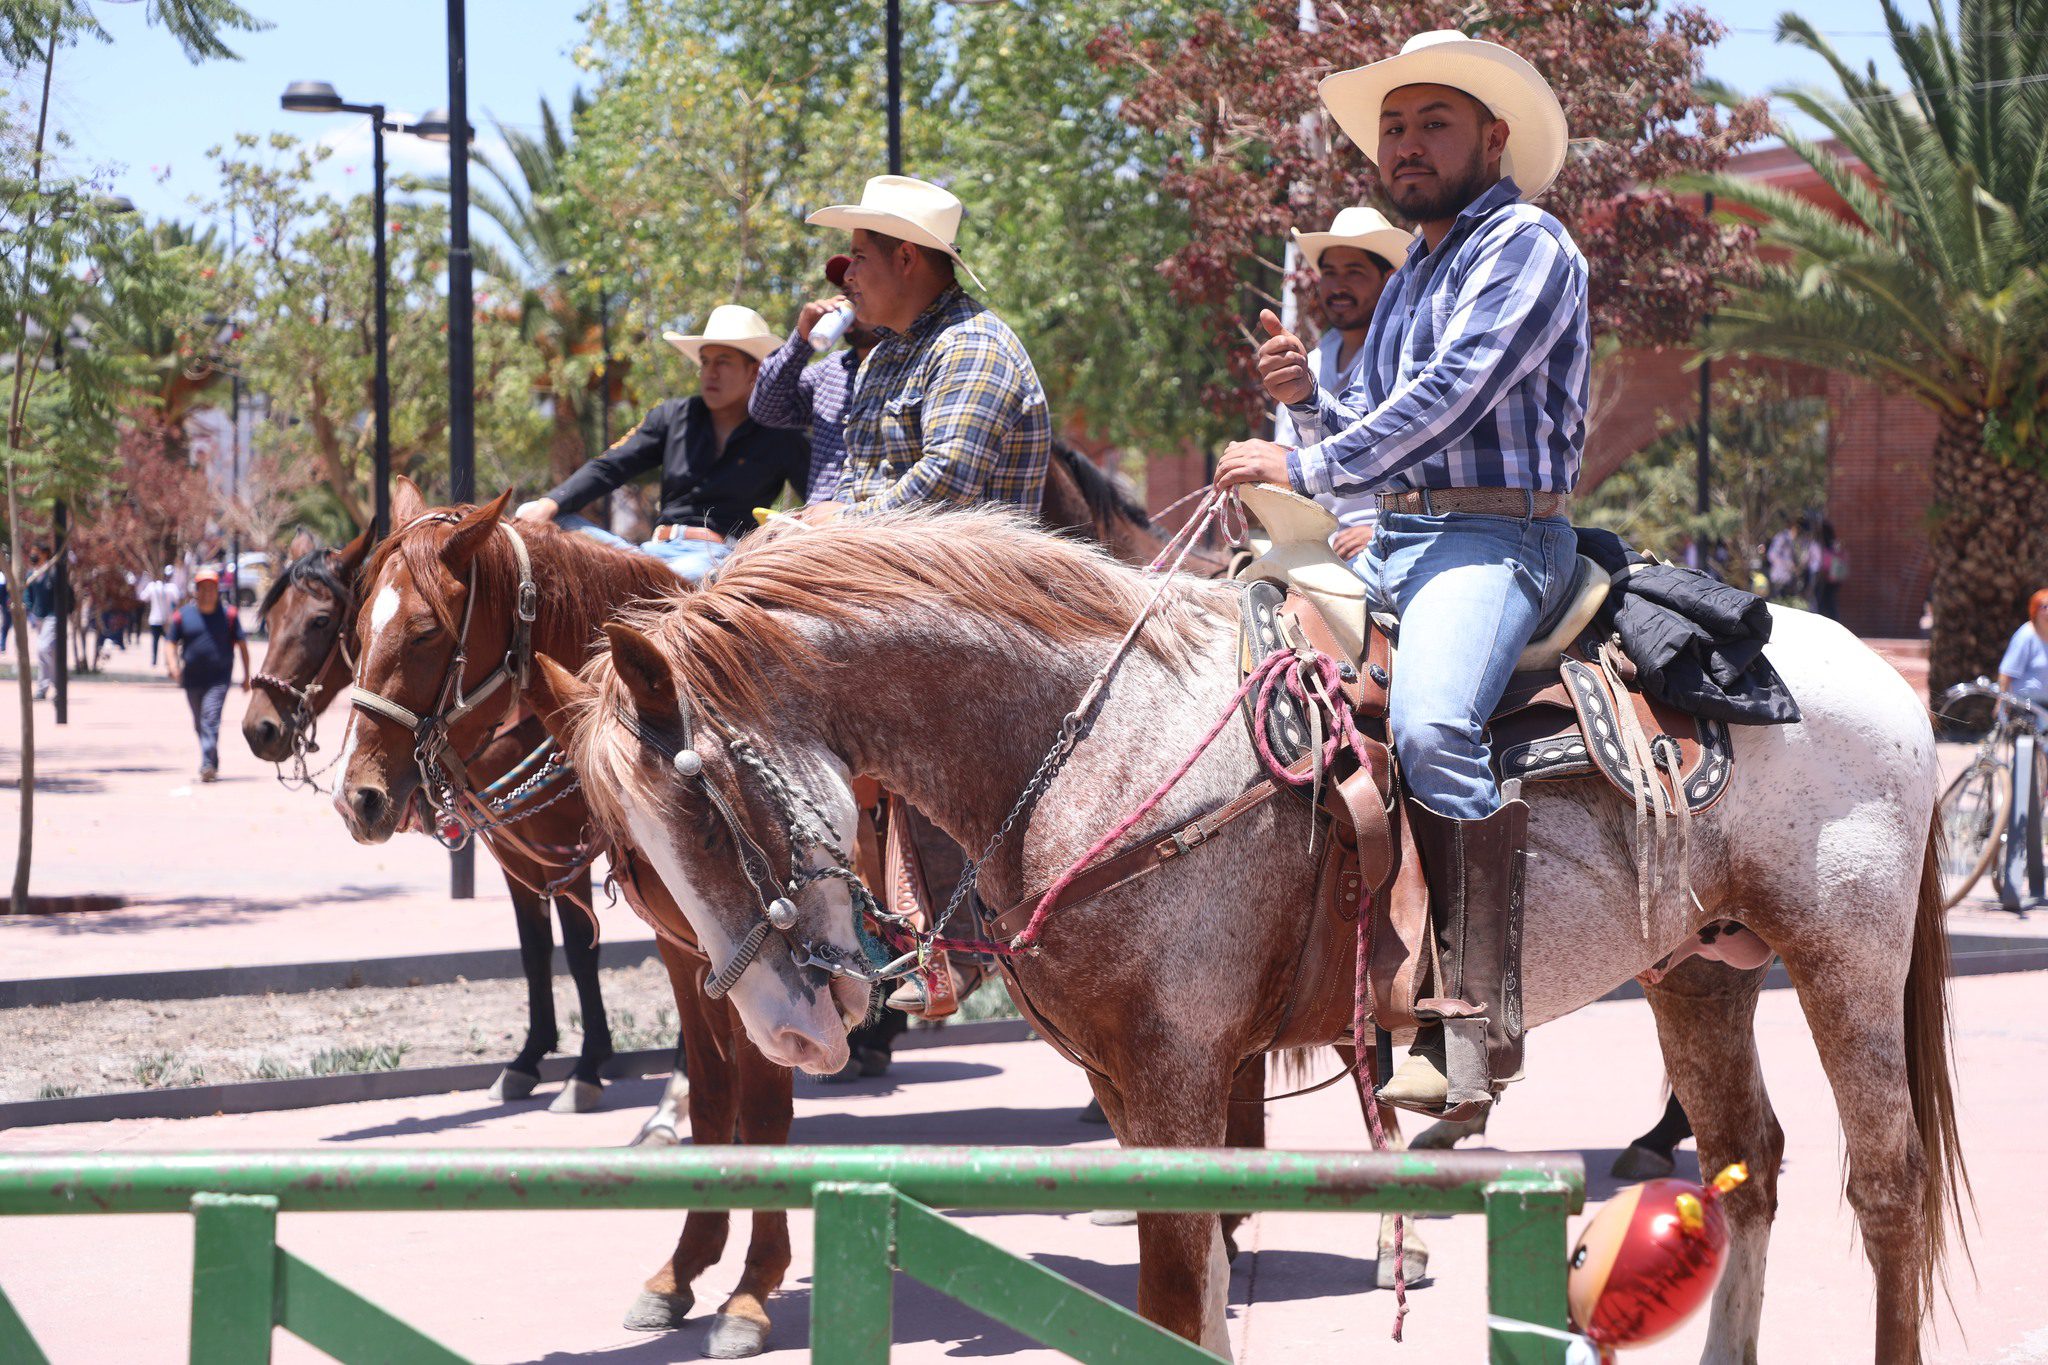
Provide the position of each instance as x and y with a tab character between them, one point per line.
203	636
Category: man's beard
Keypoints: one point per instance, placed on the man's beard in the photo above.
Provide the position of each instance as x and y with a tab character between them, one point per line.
1446	196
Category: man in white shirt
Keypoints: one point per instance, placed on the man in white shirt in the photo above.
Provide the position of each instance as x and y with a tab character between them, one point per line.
1351	263
160	596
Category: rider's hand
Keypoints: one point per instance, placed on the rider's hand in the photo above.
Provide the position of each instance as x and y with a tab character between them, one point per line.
820	513
816	312
539	511
1350	541
1283	363
1253	462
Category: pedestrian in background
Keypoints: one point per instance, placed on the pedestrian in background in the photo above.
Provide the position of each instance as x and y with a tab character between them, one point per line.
160	596
204	636
39	598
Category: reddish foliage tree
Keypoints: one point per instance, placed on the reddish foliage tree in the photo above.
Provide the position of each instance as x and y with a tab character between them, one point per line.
1233	93
156	507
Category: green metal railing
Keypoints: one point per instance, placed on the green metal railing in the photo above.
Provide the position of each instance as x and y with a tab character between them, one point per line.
874	1216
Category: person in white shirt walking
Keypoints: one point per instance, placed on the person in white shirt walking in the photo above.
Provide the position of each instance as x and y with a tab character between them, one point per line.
1351	263
160	596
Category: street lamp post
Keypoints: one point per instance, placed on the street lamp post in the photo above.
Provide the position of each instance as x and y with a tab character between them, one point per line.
318	97
1703	472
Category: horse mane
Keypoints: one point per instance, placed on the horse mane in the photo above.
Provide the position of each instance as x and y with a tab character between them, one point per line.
580	581
310	570
1109	496
987	564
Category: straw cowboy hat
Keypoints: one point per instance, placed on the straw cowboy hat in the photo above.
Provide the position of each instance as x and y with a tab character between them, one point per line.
730	324
899	206
1501	80
1366	229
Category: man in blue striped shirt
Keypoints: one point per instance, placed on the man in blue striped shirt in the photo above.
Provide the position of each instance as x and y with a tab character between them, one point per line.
1468	424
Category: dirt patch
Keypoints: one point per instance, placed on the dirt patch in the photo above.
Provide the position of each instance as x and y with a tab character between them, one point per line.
110	1045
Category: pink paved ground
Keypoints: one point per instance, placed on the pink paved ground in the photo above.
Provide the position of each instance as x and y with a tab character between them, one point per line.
229	874
521	1287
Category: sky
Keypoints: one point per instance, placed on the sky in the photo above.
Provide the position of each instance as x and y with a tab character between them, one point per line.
137	109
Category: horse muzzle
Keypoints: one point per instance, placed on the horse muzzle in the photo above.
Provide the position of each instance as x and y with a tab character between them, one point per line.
369	810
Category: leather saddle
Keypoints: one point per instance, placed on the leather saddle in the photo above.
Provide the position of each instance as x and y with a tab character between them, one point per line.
1571	710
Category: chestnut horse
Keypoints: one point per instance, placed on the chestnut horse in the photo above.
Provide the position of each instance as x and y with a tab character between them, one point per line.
308	615
938	651
416	596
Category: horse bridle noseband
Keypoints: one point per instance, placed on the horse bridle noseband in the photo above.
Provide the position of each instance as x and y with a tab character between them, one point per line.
304	720
777	901
442	775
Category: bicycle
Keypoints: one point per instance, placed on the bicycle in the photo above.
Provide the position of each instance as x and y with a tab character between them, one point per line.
1979	820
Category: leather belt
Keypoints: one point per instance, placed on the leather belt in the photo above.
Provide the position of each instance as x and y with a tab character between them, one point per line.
671	531
1491	502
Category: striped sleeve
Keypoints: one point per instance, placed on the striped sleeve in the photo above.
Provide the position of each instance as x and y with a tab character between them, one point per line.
1519	296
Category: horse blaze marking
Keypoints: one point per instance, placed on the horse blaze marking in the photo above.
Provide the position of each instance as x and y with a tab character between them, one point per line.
874	1216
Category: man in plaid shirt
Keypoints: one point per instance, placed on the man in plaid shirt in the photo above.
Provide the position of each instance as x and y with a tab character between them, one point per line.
1468	421
947	407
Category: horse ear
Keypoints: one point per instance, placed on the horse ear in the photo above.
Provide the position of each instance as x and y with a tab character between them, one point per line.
349	558
644	670
407	502
476	527
556	695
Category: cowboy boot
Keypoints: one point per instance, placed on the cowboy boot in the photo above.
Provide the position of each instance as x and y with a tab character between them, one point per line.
1470	1043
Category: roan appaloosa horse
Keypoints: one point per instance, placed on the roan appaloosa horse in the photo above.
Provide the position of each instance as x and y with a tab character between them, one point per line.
938	652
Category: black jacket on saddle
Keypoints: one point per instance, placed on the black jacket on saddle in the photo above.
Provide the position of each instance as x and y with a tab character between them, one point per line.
1697	643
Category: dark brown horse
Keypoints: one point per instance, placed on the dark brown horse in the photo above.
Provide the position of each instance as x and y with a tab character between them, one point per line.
309	614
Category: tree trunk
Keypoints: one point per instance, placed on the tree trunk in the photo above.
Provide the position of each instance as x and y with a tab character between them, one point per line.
24	663
1989	554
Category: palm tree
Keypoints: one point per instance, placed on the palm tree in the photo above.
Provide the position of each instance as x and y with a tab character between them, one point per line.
558	313
1930	284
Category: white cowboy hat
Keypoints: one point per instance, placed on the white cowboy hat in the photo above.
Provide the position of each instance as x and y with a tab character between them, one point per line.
1501	80
1366	229
900	206
730	324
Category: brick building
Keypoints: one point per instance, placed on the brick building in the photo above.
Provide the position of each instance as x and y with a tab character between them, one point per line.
1880	446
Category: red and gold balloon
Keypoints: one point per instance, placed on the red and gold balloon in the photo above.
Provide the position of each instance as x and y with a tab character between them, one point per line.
1649	1260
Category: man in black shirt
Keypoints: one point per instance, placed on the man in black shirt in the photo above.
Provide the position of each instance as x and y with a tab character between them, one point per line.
717	465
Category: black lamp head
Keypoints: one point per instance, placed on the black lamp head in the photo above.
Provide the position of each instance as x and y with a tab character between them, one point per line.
311	97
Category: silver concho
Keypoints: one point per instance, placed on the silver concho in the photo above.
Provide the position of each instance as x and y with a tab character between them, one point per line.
782	912
688	762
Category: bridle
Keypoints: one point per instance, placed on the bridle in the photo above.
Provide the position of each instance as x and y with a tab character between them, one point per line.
805	827
443	777
304	721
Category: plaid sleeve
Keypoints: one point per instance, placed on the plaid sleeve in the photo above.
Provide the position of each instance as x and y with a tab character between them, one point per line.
782	397
975	394
1520	296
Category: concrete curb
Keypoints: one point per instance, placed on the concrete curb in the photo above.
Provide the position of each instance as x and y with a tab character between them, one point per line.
296	978
308	1092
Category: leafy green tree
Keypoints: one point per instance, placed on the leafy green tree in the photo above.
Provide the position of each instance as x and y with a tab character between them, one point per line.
1768	449
60	418
558	311
1928	279
304	287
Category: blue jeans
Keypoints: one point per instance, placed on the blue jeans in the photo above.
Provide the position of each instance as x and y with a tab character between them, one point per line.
687	559
206	703
1470	592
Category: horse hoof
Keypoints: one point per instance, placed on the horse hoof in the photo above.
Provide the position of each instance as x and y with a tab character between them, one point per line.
1114	1218
653	1312
512	1085
657	1135
1638	1162
1414	1267
578	1097
735	1338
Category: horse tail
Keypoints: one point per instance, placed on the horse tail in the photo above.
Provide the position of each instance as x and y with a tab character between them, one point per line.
1929	1044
